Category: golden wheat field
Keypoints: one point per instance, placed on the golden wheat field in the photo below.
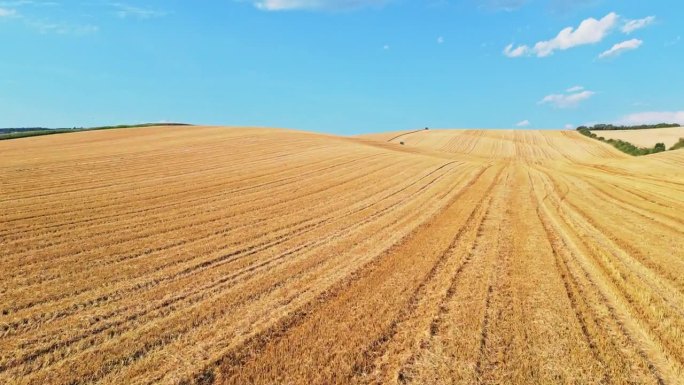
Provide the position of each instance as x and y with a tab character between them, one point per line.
213	255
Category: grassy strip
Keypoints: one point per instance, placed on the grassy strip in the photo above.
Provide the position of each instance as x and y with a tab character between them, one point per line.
610	127
623	146
678	145
51	131
26	134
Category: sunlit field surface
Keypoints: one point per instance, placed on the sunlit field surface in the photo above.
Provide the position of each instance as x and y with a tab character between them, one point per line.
213	255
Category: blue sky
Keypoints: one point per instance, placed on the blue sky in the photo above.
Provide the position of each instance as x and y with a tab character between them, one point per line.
342	66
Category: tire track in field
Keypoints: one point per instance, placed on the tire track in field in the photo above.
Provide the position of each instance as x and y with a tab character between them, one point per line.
389	351
231	364
304	221
479	260
657	269
237	179
264	245
202	290
498	298
627	326
606	170
630	261
195	192
173	155
379	250
657	303
380	345
191	240
449	281
192	212
574	293
673	223
186	241
496	307
135	177
165	193
222	231
137	355
404	134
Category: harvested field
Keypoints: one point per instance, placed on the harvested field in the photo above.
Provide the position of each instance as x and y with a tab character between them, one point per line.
211	255
645	138
525	145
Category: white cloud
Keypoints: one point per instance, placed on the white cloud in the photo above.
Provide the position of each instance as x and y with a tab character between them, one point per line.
521	50
287	5
567	100
632	25
6	12
575	89
589	31
524	123
652	117
619	48
569	127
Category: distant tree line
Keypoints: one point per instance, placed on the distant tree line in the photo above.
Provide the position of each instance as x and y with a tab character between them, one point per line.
21	129
608	127
624	146
24	132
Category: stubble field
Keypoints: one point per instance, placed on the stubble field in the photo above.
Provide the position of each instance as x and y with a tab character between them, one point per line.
210	255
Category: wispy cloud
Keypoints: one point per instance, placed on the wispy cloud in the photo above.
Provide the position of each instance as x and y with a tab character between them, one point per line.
59	28
619	48
633	25
127	11
652	117
589	31
290	5
524	123
521	50
44	25
440	40
7	12
567	100
575	89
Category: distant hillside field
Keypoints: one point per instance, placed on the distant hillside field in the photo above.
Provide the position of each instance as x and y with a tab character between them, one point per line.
532	145
232	256
645	138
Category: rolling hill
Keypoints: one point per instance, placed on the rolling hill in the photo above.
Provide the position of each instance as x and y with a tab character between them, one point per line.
215	255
